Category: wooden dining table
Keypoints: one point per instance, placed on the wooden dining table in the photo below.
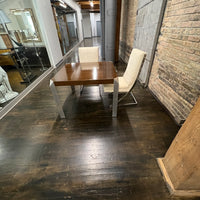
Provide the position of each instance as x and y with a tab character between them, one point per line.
85	74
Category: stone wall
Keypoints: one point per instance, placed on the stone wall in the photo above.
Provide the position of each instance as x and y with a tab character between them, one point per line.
175	76
127	29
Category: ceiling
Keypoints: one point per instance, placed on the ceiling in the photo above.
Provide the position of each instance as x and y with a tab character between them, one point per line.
86	5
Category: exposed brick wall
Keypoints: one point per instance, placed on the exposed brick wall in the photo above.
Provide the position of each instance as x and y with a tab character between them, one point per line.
127	29
175	77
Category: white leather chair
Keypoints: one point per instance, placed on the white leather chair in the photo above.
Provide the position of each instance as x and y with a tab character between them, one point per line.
128	80
88	54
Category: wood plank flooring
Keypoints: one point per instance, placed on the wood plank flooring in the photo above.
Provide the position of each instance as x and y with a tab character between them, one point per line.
87	156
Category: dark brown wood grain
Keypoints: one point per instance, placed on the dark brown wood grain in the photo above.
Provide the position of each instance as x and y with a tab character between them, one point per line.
85	74
183	152
89	155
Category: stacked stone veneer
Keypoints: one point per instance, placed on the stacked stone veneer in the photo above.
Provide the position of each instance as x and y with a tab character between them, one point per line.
127	29
175	76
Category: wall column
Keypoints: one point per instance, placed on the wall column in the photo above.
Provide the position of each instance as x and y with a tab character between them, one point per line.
110	29
181	165
48	28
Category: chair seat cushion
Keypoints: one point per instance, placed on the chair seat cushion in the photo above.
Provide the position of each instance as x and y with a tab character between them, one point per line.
123	86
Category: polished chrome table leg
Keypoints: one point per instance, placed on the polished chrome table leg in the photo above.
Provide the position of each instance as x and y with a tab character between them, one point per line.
56	98
115	98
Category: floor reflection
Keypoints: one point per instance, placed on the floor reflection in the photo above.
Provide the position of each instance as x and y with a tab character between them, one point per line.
37	62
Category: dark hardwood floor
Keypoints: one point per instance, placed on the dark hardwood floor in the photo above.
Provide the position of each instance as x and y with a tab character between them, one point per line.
89	155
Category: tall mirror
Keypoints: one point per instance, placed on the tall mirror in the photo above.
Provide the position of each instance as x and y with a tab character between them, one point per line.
66	24
27	28
23	54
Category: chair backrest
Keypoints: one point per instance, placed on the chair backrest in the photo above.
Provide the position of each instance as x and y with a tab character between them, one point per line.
134	65
88	54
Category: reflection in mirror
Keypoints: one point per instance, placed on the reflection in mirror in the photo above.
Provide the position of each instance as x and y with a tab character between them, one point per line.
27	25
2	30
23	55
66	24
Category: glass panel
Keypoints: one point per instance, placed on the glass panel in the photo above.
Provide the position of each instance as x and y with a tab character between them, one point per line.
66	24
23	55
27	25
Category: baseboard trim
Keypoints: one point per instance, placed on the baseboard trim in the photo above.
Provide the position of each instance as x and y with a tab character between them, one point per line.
170	186
59	63
178	123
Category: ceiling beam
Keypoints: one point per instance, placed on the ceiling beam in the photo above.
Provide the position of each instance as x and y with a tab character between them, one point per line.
96	6
88	3
81	0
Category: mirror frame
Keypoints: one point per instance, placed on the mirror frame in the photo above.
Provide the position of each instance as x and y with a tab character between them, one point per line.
33	19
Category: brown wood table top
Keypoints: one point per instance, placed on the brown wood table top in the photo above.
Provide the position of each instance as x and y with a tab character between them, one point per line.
85	74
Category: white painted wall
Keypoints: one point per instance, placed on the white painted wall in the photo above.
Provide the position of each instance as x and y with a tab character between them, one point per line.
94	17
70	17
48	28
87	30
77	8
